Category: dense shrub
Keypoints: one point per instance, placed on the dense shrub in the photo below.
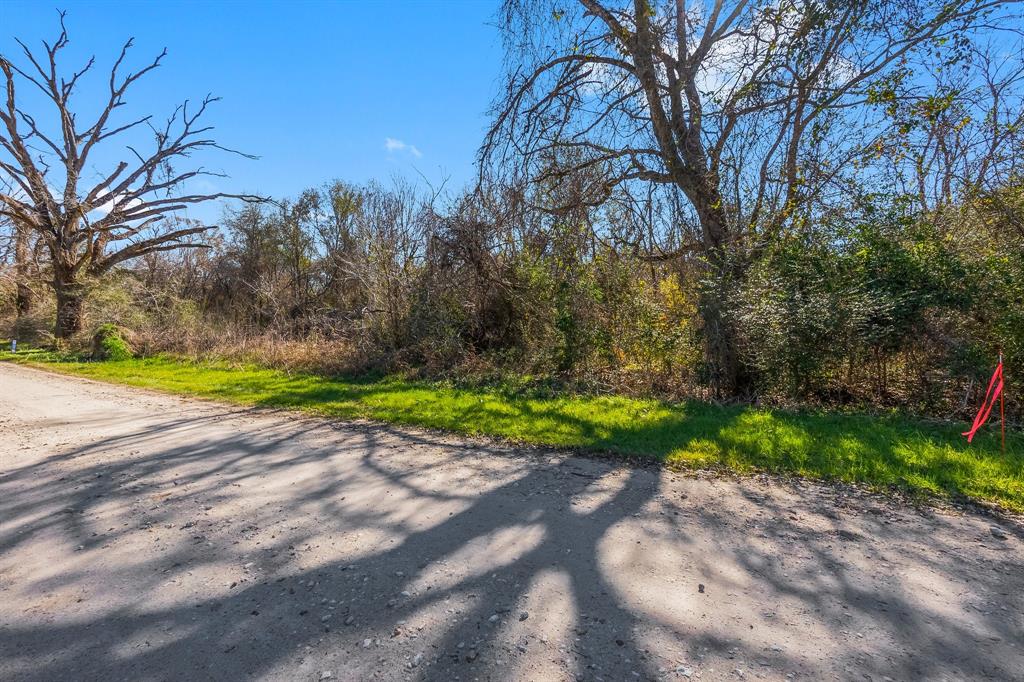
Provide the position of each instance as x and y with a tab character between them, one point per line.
108	343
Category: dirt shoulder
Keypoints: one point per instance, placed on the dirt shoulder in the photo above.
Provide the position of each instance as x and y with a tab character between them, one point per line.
145	537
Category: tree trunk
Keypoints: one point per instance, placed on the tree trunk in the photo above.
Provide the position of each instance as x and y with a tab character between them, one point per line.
23	301
727	376
725	373
70	300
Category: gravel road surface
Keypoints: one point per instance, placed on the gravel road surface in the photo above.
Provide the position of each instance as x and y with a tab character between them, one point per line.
149	537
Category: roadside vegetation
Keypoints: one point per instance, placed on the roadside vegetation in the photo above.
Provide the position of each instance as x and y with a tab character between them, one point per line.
798	214
880	451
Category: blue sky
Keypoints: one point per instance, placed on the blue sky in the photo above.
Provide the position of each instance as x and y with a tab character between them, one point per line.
316	89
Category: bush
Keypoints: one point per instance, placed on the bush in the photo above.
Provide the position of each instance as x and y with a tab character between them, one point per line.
109	344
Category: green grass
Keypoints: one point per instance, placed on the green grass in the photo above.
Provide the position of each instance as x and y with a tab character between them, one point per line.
882	452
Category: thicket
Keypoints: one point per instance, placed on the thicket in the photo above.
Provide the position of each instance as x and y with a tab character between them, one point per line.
884	306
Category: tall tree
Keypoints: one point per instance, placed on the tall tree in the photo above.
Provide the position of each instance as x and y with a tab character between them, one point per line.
88	226
17	242
752	110
23	298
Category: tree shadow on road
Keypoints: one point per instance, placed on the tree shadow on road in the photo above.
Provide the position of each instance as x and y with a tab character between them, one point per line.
342	541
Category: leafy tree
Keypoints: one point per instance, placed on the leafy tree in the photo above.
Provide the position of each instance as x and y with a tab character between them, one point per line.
753	112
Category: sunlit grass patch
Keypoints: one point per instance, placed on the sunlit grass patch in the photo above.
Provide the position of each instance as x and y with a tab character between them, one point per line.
883	452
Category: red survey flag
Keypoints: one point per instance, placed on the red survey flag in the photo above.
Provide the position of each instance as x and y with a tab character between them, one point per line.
995	387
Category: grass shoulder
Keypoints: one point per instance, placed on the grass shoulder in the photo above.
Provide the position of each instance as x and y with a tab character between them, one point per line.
920	458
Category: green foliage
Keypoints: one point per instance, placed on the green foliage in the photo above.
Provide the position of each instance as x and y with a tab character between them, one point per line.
597	315
109	344
798	310
892	310
907	269
996	246
115	300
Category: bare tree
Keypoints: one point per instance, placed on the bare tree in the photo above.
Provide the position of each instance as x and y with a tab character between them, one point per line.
24	298
961	137
331	214
752	110
88	227
18	243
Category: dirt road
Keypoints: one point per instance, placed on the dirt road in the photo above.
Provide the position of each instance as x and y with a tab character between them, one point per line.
145	537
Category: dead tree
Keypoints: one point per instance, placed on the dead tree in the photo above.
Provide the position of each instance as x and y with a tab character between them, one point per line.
23	297
16	247
89	226
750	109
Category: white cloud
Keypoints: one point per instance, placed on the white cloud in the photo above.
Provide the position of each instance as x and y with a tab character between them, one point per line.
393	145
107	206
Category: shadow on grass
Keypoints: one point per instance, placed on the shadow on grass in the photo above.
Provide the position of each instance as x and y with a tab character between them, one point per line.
889	451
881	452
